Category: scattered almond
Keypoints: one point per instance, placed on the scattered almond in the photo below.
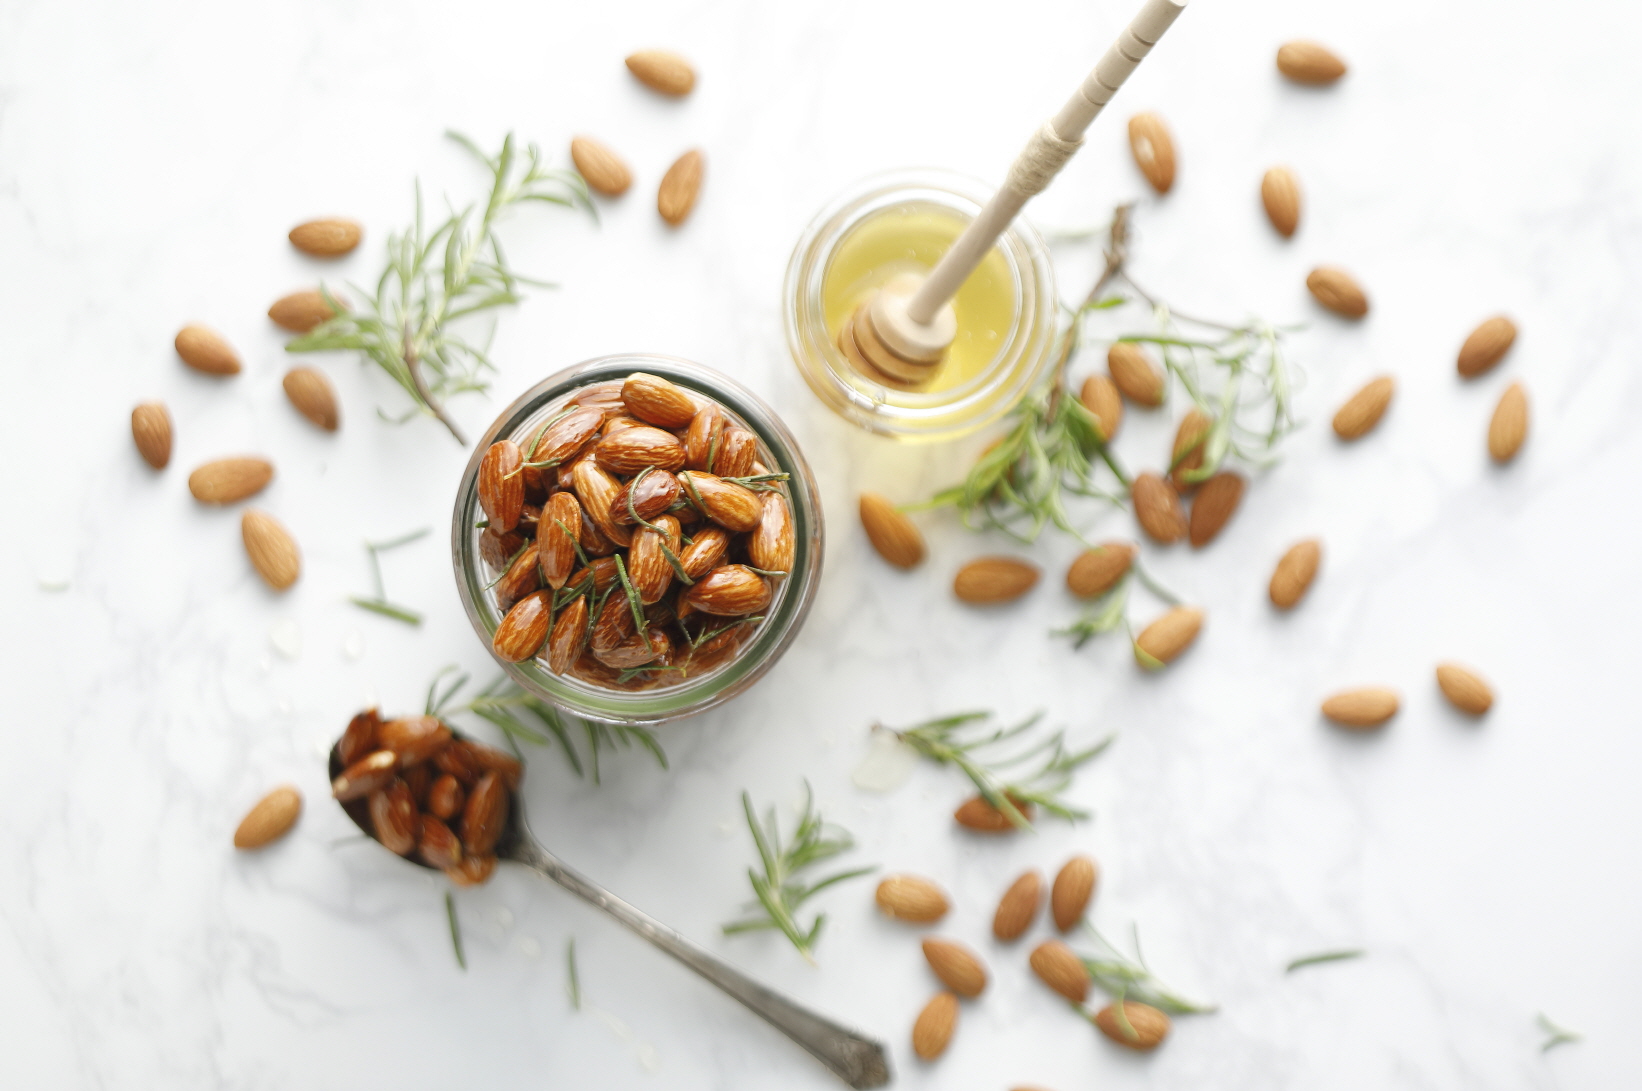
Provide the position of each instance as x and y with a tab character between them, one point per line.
230	479
1069	897
151	432
1018	906
911	898
1464	690
271	819
1134	374
1096	571
1363	708
1190	440
1060	968
326	238
1335	289
312	395
1157	509
1153	149
272	550
1280	193
1295	571
1140	1027
933	1030
300	312
205	350
987	581
1164	639
1510	424
679	188
1101	398
1358	416
600	167
662	71
1486	346
957	966
977	813
1309	63
895	536
1216	502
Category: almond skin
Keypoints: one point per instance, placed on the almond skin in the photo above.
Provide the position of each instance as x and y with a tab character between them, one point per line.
737	453
1164	639
1157	509
556	535
1017	907
205	350
662	71
705	552
987	581
569	636
729	590
501	485
703	438
151	432
933	1030
330	238
565	438
1074	886
230	479
313	396
895	536
632	449
657	401
271	819
1295	571
647	566
645	497
1186	458
597	490
676	196
1361	709
1486	346
1309	63
1153	150
1280	193
1215	504
300	312
1510	424
734	507
600	167
1142	1027
1358	416
272	550
1100	396
1134	374
1335	289
957	966
1096	571
1464	690
773	544
524	629
1058	967
976	813
911	898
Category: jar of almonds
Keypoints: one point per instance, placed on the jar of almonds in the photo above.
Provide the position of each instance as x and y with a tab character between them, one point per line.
637	539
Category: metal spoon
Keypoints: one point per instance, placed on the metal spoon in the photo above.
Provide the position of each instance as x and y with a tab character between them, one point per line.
856	1059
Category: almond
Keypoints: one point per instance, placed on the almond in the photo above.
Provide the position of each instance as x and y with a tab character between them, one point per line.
1358	416
394	817
497	550
933	1030
271	819
895	536
705	552
679	188
1190	439
1335	289
613	625
437	845
597	491
987	581
1216	502
569	636
1295	571
300	312
485	816
1101	398
737	453
1164	639
600	167
1464	690
151	432
414	739
472	871
326	238
1486	346
1058	967
524	629
556	535
1074	886
1017	907
1309	63
565	437
910	898
1153	150
704	437
311	392
522	577
1510	424
662	71
272	550
1280	193
602	572
1134	374
229	479
657	401
1141	1026
632	449
637	650
648	568
1363	708
204	350
501	485
957	966
1096	571
370	773
359	738
1157	509
734	507
773	542
729	590
977	813
645	497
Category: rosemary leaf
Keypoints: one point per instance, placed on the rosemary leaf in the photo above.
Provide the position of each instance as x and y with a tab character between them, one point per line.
1322	957
387	609
1555	1035
1130	979
572	980
455	931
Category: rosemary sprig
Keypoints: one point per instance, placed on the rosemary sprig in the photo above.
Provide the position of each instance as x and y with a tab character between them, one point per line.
436	276
455	931
1111	609
780	889
953	740
1321	957
379	603
1555	1035
1131	979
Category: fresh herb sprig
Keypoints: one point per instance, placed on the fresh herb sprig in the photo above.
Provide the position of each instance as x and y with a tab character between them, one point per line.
1555	1035
778	882
954	740
1323	957
1111	609
436	276
379	604
1128	978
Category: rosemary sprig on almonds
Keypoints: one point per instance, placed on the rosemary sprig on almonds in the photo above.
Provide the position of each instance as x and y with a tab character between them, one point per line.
1131	979
379	603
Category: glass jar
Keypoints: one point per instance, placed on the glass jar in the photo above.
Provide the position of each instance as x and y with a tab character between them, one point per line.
692	693
901	222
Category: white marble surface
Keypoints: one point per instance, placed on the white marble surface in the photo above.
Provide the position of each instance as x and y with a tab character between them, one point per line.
1482	155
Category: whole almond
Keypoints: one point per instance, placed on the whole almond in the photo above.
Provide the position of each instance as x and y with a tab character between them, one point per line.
1486	346
1069	897
1018	906
1058	967
1295	571
205	350
1153	149
679	188
1164	639
662	71
1335	289
645	497
565	437
229	479
1358	416
1100	396
933	1030
1190	439
300	312
1464	690
415	739
1142	1027
729	590
271	819
657	401
523	631
1309	63
732	506
312	394
1096	571
330	238
600	167
895	536
911	898
957	966
977	813
703	438
632	449
705	552
737	453
523	576
395	818
151	432
773	542
1510	424
370	773
1280	193
556	536
1134	374
1360	709
987	581
569	636
1157	509
597	490
501	485
648	568
1216	502
272	550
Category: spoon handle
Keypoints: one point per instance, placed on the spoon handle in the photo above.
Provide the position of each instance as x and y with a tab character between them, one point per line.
857	1060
